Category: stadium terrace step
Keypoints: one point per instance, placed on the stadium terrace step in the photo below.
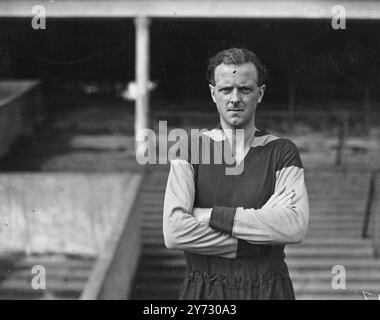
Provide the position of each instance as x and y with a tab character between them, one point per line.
66	276
56	286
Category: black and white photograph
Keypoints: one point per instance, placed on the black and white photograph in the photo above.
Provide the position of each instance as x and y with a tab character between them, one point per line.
189	150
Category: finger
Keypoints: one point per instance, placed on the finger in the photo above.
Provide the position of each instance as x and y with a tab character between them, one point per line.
286	200
289	201
271	199
281	190
283	195
275	195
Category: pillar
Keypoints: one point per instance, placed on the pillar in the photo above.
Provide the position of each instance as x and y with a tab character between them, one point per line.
142	76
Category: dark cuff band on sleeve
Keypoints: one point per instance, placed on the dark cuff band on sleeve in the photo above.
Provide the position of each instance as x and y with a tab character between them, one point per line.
246	249
222	218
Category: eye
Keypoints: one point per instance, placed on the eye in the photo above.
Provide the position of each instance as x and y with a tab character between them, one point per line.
225	90
246	90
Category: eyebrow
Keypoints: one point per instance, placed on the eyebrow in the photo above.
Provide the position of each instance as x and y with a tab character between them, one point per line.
240	87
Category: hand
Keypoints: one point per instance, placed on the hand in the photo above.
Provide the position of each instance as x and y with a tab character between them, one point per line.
280	198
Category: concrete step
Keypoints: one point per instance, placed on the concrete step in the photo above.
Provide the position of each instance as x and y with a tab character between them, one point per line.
342	252
338	212
162	294
334	229
329	218
325	287
328	296
42	295
325	276
55	274
323	194
66	276
23	287
336	188
307	263
336	242
158	285
56	262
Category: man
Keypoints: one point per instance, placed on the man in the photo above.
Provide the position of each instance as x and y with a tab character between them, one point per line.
233	228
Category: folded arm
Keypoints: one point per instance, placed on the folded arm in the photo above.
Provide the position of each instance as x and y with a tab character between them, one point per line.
182	230
271	224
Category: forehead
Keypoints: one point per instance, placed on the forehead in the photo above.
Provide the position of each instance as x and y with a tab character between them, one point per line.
246	73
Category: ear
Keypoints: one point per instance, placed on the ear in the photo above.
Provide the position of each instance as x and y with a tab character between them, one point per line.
261	92
212	91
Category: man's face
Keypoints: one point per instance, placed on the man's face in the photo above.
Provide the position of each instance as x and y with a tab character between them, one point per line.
236	94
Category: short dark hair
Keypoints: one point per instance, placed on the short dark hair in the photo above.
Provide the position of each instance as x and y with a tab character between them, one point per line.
236	56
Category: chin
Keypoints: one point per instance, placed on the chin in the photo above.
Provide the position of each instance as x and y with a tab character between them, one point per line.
236	123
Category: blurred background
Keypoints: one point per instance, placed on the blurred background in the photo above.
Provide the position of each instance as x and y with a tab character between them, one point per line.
73	198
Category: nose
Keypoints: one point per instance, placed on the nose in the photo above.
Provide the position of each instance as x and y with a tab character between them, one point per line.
235	97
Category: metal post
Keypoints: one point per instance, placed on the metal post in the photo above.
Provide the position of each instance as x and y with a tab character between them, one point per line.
291	105
376	218
342	137
369	204
142	76
366	110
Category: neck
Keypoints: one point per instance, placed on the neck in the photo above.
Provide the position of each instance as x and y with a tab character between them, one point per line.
249	132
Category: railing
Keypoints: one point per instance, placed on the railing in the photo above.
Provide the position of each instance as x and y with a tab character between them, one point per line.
376	218
373	212
115	268
369	205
